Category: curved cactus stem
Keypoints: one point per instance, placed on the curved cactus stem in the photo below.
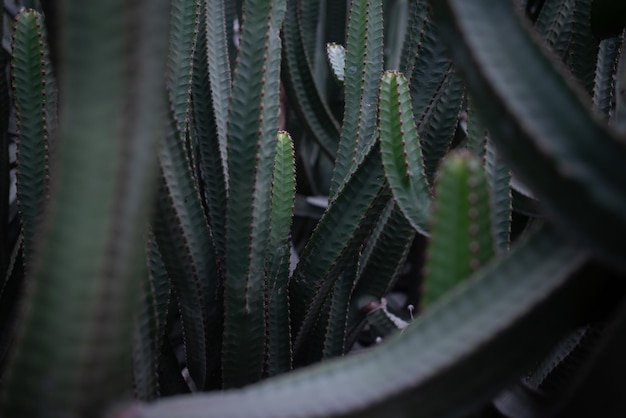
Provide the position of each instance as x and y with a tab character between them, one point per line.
390	237
529	296
351	273
364	58
218	52
184	239
567	157
323	333
401	153
301	88
381	263
73	351
606	71
436	94
499	178
333	240
437	124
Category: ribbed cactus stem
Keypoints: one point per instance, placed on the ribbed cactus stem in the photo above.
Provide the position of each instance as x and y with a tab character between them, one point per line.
72	354
461	236
32	84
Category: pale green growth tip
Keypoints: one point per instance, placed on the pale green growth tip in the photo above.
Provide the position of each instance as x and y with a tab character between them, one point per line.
394	76
337	58
283	137
461	161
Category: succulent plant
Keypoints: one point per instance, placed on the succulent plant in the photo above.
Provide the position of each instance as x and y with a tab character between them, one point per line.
220	197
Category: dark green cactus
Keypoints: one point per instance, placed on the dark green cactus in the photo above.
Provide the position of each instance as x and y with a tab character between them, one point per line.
401	151
364	60
279	354
83	291
177	239
462	236
36	118
251	145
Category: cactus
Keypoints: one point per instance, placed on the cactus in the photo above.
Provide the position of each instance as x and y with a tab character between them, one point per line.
36	119
175	237
83	291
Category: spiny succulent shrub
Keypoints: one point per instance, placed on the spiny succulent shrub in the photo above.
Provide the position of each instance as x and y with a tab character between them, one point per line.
175	238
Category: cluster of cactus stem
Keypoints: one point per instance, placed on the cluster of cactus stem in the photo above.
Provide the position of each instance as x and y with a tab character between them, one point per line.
157	190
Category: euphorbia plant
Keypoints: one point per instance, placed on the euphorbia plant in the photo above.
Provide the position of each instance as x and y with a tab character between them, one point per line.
157	207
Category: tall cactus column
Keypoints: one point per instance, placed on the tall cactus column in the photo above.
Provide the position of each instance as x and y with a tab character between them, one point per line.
73	350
